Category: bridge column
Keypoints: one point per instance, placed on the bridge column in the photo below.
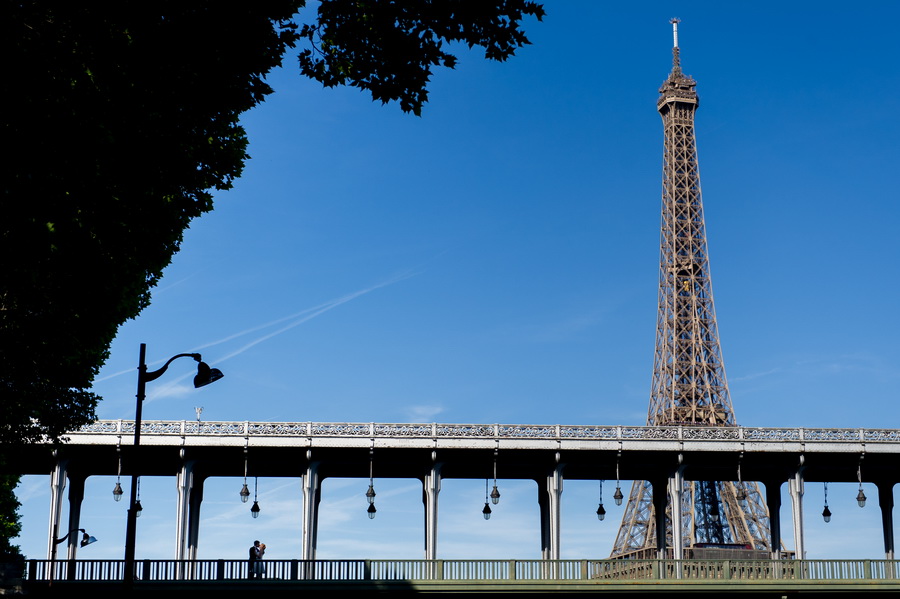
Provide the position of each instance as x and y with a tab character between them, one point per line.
676	491
431	487
312	494
660	498
796	489
773	503
886	503
57	487
550	494
76	497
183	482
194	503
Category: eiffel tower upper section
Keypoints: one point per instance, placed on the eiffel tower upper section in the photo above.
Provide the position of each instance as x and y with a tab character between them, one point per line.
689	385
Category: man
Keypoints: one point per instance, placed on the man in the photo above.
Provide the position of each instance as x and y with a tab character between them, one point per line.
255	556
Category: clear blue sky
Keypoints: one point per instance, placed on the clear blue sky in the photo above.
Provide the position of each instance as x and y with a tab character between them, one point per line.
496	261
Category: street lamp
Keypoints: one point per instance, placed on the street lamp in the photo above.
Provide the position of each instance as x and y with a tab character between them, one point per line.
205	375
860	497
86	540
601	511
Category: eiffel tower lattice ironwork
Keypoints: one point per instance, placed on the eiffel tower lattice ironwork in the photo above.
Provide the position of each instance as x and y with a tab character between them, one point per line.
689	386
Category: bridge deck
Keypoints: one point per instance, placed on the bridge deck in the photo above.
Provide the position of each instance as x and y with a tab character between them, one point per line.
525	451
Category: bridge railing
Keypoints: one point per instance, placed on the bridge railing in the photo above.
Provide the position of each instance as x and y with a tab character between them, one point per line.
474	570
309	430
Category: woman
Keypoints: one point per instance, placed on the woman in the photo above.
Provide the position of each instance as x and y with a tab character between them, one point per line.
259	565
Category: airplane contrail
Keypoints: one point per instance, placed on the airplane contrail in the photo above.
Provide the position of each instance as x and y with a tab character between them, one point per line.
308	314
320	309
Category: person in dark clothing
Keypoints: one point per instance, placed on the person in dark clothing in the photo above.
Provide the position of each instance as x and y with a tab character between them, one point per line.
253	563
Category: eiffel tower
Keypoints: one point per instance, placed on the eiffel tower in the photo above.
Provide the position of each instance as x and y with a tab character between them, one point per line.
688	386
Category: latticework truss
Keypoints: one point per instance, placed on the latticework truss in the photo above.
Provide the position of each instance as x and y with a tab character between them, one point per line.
689	385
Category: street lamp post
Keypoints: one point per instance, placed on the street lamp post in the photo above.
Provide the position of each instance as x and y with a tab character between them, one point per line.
205	375
86	540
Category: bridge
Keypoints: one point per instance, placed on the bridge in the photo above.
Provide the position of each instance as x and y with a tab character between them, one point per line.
192	452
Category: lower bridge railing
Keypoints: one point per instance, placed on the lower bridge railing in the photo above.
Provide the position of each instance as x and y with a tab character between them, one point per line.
596	571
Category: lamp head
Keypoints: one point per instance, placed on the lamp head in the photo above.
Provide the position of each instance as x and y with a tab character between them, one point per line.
371	510
254	511
245	493
486	512
826	514
601	512
495	496
87	539
206	375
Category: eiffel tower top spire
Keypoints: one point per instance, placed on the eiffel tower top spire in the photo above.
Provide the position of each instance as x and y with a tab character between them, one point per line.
677	85
676	58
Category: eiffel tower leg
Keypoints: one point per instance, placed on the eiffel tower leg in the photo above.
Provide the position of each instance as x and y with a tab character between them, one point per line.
773	502
660	497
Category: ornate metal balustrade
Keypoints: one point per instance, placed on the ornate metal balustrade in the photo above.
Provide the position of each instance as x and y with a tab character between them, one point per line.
492	431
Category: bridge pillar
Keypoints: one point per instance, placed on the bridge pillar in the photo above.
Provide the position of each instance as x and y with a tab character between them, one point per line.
660	498
183	482
796	489
676	491
431	487
773	503
886	503
76	498
550	494
57	487
194	502
312	494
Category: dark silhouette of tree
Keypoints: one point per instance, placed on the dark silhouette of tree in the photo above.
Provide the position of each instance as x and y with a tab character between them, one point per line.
121	120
